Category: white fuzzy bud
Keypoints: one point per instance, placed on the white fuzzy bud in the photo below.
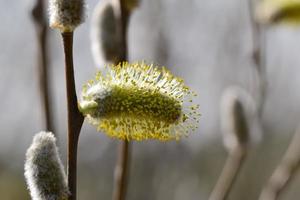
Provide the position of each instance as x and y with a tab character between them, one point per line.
239	118
66	15
44	172
106	37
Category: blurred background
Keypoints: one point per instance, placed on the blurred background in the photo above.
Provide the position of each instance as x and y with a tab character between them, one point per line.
209	44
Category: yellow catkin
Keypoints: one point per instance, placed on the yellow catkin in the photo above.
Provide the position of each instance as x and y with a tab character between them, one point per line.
139	101
277	11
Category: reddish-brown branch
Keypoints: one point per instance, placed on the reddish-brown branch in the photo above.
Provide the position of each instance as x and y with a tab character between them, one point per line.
124	29
38	16
121	171
75	118
122	19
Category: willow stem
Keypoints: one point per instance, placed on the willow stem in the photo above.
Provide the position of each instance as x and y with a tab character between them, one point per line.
124	28
258	56
229	174
284	172
121	171
75	118
38	16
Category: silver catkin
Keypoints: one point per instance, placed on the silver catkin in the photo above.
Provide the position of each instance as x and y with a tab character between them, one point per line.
239	118
105	35
66	15
45	177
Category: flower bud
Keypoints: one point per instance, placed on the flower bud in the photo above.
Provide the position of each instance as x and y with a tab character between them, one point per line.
239	118
105	35
44	172
66	15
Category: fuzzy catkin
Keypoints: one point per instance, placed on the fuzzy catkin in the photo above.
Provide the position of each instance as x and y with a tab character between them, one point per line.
239	118
66	15
44	172
105	35
136	101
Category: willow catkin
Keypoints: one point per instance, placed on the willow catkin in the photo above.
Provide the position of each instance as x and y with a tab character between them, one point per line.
276	11
105	35
130	5
139	101
239	118
44	173
66	15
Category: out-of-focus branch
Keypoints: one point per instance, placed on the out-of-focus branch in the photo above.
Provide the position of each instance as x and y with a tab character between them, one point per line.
121	172
285	171
41	26
122	15
258	56
229	173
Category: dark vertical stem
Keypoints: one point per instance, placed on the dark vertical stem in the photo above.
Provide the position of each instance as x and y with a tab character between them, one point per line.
124	28
121	172
38	15
229	174
258	55
44	81
75	118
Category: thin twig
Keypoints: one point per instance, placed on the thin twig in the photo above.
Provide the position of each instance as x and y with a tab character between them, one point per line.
124	29
121	171
229	173
284	172
38	16
122	18
258	56
75	118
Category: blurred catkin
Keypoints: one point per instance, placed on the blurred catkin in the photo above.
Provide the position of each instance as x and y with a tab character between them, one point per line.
66	15
239	118
236	131
105	35
44	172
275	11
130	5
